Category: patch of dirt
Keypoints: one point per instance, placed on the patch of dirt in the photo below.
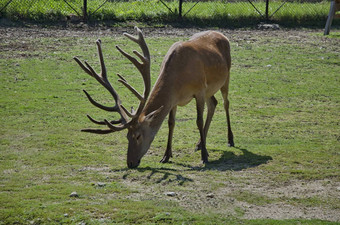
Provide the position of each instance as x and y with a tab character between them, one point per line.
24	38
294	199
282	201
33	32
282	211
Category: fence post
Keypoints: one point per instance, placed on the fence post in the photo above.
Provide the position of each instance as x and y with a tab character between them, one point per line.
267	10
330	17
180	9
85	10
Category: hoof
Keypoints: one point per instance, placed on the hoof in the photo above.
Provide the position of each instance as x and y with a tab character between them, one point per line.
165	159
205	161
231	144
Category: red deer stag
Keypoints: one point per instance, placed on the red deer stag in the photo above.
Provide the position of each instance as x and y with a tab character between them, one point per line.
197	69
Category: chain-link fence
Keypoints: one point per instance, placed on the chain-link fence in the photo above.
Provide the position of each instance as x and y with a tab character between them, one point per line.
164	10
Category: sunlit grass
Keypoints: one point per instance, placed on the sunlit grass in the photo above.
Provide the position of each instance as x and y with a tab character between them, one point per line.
284	110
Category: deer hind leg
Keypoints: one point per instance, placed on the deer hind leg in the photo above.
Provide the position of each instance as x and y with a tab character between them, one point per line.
211	103
224	91
200	110
171	124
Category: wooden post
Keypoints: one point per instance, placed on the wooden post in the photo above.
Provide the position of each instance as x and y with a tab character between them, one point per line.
335	6
85	10
180	9
267	10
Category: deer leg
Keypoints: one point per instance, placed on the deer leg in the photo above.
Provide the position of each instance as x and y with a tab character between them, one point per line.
224	91
200	109
171	124
211	103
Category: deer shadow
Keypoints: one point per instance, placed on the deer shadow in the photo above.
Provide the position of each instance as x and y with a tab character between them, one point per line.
155	175
168	175
231	161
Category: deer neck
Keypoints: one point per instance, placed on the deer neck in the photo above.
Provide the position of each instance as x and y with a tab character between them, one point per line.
162	97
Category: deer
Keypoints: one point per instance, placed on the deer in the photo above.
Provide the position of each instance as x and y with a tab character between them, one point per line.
193	69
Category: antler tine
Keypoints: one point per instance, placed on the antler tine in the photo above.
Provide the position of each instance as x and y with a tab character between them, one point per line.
103	76
116	128
128	86
82	66
147	62
104	131
110	109
144	69
101	59
97	131
140	40
145	59
135	62
89	70
102	122
127	112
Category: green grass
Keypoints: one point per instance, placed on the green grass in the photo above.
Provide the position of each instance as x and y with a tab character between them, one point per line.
153	12
284	94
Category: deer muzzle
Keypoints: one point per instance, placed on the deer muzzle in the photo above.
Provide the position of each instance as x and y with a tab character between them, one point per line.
133	164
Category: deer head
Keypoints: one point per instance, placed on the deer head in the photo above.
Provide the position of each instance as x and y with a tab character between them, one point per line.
139	135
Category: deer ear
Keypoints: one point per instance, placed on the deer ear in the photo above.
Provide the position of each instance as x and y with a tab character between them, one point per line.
153	114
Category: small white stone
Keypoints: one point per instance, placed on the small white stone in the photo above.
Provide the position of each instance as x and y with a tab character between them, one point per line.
171	194
210	195
100	184
74	194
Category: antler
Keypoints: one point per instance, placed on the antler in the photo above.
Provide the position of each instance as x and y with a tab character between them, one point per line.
144	69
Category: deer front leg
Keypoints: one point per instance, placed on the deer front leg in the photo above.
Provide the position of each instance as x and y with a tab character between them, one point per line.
171	124
211	103
200	110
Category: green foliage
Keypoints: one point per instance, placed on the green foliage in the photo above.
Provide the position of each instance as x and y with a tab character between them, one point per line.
206	13
284	109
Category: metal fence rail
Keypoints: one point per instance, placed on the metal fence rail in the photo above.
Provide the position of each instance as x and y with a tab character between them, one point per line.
145	9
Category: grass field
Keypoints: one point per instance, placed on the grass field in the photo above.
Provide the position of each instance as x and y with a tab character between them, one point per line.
207	13
284	94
